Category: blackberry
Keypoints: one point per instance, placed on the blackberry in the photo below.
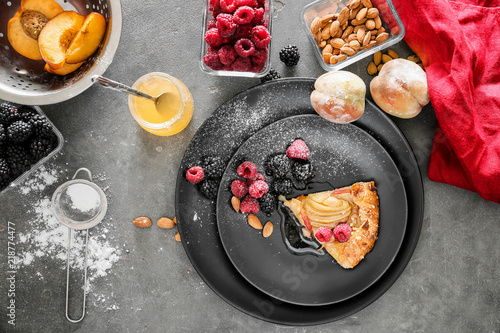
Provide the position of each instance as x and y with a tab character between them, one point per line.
3	135
272	75
290	55
26	112
282	186
4	183
18	159
41	126
209	188
214	167
41	147
8	113
19	131
278	166
268	203
302	171
4	169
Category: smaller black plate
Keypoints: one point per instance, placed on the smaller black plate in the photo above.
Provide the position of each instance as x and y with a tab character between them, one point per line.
342	155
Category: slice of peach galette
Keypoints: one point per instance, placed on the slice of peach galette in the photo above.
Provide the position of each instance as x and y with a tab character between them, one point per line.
344	221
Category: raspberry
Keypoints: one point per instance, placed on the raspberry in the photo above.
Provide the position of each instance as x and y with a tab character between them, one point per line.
214	5
244	47
342	232
211	59
258	16
299	150
213	37
239	188
227	68
258	189
249	205
260	56
260	36
258	176
242	64
227	55
243	15
212	24
323	234
195	174
247	170
226	25
228	6
257	68
243	31
250	3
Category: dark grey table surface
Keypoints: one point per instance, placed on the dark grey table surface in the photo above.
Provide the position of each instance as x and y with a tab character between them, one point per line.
144	280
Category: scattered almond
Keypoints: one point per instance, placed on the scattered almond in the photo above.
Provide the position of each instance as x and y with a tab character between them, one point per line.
386	58
177	236
414	58
235	202
268	229
142	222
372	68
165	223
393	54
254	221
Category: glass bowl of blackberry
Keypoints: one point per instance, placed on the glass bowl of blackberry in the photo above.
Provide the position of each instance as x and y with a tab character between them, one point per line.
343	32
28	139
236	38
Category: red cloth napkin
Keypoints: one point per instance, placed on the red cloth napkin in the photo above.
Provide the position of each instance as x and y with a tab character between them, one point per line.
459	44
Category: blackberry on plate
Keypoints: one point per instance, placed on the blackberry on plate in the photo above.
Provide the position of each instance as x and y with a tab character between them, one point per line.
268	203
282	186
18	159
272	75
19	131
4	169
41	126
41	147
290	55
214	167
209	188
302	171
8	113
278	166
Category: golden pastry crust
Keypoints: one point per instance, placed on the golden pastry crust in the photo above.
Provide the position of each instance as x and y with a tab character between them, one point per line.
363	217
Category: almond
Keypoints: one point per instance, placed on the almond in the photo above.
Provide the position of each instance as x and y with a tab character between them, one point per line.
327	18
347	32
235	202
367	38
367	3
370	24
142	222
352	37
315	25
361	14
341	57
372	13
343	15
353	13
333	59
379	67
348	50
354	4
337	43
386	58
414	58
356	22
334	28
177	236
326	57
327	49
165	223
377	58
383	36
361	34
268	229
378	22
322	44
372	68
354	44
325	33
254	221
393	54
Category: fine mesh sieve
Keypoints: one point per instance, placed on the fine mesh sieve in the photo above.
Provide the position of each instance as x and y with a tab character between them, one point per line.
25	81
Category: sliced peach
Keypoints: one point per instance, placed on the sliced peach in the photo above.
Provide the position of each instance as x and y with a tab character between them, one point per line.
25	26
87	40
57	35
65	69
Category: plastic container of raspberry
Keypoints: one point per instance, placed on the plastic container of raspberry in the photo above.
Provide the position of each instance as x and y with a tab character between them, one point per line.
387	13
35	166
240	66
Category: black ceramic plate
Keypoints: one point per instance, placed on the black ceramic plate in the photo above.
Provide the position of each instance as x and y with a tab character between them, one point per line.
341	155
223	132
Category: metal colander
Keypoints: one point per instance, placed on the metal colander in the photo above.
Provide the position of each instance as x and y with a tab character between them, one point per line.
25	81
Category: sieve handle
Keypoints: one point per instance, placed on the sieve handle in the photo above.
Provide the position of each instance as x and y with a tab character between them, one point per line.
83	169
84	278
108	83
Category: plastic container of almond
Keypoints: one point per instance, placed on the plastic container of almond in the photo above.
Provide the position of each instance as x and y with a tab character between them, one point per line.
343	32
236	38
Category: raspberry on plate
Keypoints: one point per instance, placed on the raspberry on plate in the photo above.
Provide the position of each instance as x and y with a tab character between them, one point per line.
211	59
239	188
213	37
243	15
342	232
249	205
226	25
244	47
195	174
227	55
242	64
323	234
247	170
258	189
260	36
299	150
